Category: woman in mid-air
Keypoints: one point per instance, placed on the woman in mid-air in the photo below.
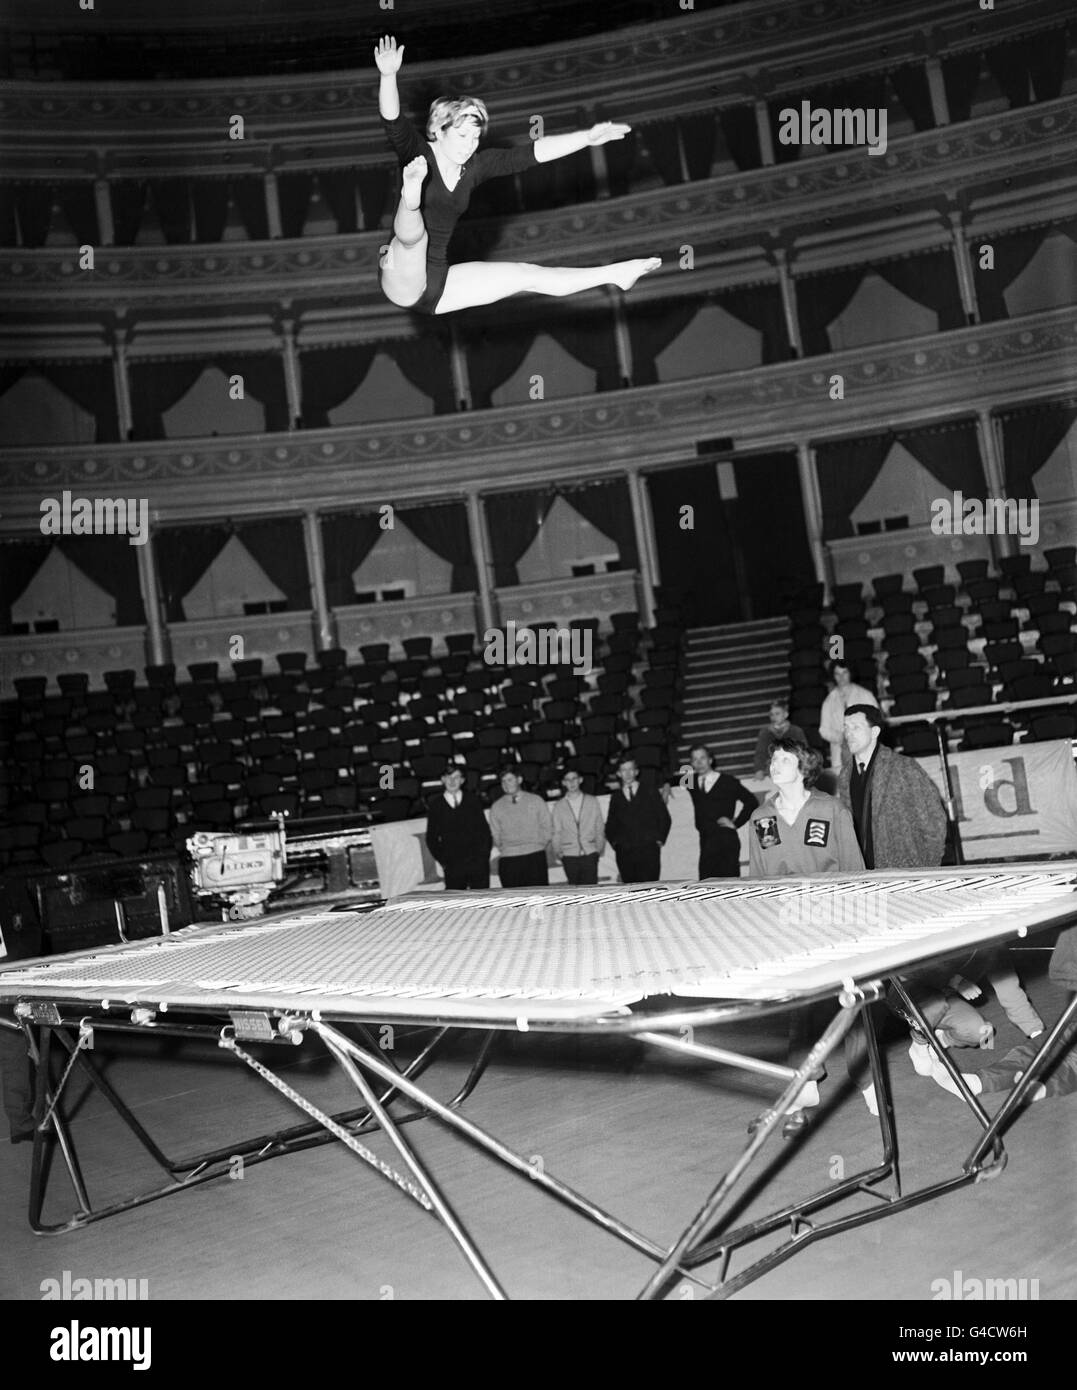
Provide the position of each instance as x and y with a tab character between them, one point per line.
415	273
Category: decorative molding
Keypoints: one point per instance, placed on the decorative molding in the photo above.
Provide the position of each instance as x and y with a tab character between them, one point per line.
93	650
941	376
822	208
427	615
654	71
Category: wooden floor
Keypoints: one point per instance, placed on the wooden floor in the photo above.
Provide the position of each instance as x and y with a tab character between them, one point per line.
644	1135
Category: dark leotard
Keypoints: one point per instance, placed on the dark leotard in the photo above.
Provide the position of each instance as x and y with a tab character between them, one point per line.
442	207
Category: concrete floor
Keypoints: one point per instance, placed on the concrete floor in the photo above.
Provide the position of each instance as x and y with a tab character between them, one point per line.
643	1134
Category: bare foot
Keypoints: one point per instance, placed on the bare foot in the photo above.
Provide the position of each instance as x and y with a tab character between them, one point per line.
414	173
626	273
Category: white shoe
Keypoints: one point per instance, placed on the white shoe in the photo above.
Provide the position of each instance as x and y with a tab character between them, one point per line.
1039	1092
870	1099
808	1098
921	1057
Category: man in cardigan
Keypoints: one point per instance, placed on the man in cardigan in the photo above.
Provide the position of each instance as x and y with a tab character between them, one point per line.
721	805
578	840
637	824
522	830
457	834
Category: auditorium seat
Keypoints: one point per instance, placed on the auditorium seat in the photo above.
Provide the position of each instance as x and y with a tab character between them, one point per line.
916	702
1031	687
1056	644
58	854
73	682
999	631
291	662
988	735
908	684
917	740
30	687
1011	565
1060	556
971	570
884	584
128	844
929	576
1055	725
122	682
982	590
967	697
1060	621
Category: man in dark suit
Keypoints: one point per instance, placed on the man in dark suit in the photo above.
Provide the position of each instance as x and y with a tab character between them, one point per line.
722	805
637	824
457	834
20	937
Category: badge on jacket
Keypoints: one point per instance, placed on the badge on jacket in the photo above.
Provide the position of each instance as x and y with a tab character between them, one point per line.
817	833
766	828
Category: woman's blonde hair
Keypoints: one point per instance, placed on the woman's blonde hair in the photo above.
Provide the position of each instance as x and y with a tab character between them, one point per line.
448	111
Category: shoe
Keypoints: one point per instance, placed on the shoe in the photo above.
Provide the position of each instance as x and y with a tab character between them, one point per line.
871	1100
796	1122
21	1136
920	1056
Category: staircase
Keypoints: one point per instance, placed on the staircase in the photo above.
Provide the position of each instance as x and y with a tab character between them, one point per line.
731	675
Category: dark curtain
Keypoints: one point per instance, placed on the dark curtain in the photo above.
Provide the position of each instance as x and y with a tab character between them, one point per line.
171	198
608	506
783	154
347	539
20	560
698	562
589	338
426	363
661	140
847	468
493	354
820	299
210	199
760	307
9	231
90	385
1008	65
741	135
1046	57
33	205
769	504
652	326
328	376
128	204
621	161
1029	438
513	520
931	280
699	135
80	211
338	190
277	545
375	186
961	77
950	453
263	378
444	530
184	553
156	386
11	372
1013	251
249	193
111	562
911	89
294	192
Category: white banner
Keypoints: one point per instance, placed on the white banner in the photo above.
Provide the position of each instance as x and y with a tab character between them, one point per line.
1011	802
1019	801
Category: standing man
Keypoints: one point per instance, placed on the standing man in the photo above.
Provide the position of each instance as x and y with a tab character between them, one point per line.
457	834
578	836
900	823
637	824
522	830
777	727
846	693
722	805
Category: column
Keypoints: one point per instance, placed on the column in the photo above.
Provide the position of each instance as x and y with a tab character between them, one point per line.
273	205
940	107
458	363
812	502
622	341
648	558
324	634
963	262
762	125
286	329
480	548
103	204
787	289
157	644
121	383
991	453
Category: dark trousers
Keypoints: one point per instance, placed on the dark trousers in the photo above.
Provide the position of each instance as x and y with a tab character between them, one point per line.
719	853
523	870
15	1081
475	873
639	863
580	868
806	1027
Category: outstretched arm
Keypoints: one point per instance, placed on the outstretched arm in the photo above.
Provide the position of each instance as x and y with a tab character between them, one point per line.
549	147
387	58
